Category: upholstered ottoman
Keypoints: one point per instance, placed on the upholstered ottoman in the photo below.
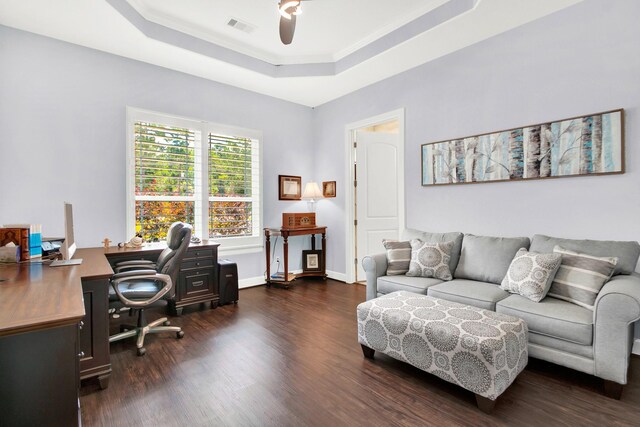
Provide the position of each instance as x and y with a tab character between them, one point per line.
479	350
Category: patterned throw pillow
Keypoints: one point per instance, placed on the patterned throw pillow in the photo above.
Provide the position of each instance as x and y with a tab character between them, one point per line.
430	259
398	256
530	274
581	276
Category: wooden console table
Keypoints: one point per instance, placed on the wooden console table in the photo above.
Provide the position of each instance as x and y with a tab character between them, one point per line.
285	233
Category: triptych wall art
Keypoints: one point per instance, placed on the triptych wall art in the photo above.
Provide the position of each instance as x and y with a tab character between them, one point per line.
587	145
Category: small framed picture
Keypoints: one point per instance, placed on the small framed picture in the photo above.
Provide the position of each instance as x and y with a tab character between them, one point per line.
329	189
311	261
289	187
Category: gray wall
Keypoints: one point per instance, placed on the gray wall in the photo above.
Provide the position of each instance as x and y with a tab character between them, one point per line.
582	60
62	116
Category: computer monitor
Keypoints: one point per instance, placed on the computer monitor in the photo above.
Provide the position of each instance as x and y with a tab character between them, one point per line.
68	248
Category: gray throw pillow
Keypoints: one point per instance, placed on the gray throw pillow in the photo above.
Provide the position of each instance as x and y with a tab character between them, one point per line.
398	256
409	234
626	252
530	274
580	277
430	259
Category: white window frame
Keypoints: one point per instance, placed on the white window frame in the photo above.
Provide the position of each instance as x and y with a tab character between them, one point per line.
228	245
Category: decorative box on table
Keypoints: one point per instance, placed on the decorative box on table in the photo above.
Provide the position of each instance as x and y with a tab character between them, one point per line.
298	220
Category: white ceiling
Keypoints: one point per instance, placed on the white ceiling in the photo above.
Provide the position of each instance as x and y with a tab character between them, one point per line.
326	31
96	24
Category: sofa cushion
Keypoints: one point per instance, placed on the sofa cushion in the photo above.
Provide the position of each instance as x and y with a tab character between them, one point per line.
626	252
530	274
552	317
398	256
581	277
478	294
430	259
425	236
487	259
419	285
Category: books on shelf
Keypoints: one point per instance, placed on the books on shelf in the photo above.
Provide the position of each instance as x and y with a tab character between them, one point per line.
279	276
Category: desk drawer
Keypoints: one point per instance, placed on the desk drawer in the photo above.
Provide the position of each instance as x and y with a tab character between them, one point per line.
199	263
198	253
198	283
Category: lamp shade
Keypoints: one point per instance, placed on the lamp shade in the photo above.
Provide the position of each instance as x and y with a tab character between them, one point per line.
312	191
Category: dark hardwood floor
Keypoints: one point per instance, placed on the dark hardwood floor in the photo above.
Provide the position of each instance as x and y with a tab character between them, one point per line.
291	358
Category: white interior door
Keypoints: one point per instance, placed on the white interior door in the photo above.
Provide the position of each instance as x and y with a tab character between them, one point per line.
377	193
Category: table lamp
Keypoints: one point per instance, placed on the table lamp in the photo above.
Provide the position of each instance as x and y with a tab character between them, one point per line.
311	194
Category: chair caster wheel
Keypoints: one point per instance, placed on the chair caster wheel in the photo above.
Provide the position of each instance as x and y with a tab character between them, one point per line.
179	334
142	351
166	323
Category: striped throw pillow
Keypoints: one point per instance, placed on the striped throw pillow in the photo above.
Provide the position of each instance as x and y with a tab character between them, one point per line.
580	277
398	257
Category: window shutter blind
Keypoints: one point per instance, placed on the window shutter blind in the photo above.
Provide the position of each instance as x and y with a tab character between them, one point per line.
165	177
165	158
234	186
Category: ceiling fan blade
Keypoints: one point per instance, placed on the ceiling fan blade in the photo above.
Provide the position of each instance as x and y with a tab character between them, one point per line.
287	29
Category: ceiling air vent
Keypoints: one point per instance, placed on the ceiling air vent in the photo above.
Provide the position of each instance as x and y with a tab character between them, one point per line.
242	26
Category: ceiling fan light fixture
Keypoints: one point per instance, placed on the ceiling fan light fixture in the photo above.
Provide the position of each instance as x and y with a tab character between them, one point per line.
289	7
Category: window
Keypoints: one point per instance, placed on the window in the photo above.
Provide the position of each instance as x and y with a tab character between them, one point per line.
202	173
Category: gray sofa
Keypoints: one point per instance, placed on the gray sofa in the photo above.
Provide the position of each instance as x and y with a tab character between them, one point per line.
597	342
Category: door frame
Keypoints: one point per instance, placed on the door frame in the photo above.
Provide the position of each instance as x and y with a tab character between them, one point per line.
350	130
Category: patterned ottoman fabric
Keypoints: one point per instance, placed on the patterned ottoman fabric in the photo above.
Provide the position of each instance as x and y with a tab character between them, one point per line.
479	350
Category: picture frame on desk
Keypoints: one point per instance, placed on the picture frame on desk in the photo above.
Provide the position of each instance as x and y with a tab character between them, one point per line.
311	261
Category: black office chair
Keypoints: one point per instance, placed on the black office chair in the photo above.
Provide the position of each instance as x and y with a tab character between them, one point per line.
138	285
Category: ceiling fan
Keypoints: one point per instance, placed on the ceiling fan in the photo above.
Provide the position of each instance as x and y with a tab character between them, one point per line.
289	10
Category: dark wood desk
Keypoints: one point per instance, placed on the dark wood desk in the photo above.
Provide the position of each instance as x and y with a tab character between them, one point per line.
286	233
48	317
54	328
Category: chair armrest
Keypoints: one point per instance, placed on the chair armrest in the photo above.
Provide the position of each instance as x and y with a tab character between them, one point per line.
134	262
132	276
139	272
374	266
140	264
616	308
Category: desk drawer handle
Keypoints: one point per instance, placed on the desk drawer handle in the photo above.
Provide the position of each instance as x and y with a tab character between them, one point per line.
197	263
81	324
198	283
81	354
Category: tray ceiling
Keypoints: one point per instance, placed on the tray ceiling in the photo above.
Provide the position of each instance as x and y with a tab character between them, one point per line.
339	46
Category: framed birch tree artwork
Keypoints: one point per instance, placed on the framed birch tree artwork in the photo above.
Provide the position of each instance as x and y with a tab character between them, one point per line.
587	145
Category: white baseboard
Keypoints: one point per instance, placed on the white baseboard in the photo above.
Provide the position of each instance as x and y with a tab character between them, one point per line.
336	276
636	347
250	282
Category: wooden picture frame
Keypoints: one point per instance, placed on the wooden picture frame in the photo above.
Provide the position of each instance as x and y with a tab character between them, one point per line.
329	188
289	187
311	261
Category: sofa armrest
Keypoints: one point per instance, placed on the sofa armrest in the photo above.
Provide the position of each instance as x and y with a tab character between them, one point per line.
617	308
374	267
